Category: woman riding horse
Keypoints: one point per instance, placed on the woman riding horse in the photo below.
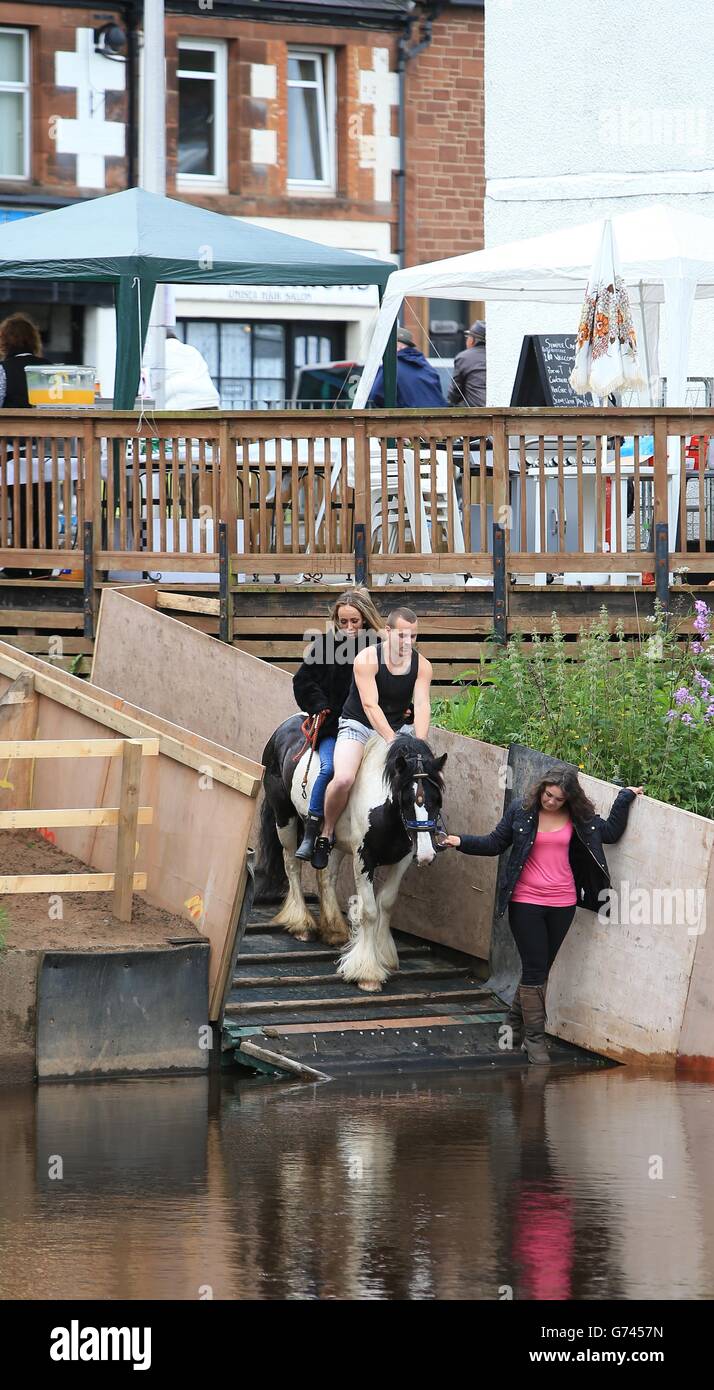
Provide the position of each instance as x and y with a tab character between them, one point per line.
322	685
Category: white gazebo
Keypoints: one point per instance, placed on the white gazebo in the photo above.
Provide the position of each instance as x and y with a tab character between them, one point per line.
666	257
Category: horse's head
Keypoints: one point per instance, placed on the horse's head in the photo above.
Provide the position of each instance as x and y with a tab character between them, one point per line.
416	783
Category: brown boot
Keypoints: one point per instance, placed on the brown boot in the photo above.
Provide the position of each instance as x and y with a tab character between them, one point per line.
533	1006
514	1019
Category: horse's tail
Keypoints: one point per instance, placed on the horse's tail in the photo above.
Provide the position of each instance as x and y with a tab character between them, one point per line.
270	878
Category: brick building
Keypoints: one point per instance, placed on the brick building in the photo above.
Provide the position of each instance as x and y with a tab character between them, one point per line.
353	122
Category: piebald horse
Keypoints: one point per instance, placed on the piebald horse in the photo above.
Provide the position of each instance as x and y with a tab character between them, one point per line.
391	818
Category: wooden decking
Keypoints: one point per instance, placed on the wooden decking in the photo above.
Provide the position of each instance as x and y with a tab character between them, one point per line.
288	1013
253	521
456	627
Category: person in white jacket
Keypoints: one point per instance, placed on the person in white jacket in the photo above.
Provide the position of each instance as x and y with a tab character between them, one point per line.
188	384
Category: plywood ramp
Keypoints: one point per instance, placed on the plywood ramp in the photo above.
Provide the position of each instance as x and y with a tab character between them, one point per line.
237	699
203	799
638	988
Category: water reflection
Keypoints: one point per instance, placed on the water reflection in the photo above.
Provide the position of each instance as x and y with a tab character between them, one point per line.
471	1185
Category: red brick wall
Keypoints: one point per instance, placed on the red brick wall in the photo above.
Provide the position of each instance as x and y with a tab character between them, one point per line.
445	153
261	191
445	159
52	30
445	147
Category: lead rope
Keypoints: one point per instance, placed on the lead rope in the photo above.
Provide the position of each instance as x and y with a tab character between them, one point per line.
310	727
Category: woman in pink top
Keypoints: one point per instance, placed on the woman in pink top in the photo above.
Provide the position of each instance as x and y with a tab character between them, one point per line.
556	864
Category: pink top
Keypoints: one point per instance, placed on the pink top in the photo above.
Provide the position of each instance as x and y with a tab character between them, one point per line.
546	877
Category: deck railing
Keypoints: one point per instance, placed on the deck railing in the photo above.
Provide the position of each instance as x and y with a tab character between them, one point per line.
589	493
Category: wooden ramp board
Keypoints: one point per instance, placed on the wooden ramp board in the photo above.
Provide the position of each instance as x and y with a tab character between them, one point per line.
289	1013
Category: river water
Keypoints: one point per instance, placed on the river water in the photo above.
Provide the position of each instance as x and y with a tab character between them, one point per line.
469	1185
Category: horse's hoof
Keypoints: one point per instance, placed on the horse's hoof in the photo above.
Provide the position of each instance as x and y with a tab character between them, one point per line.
335	939
369	986
304	936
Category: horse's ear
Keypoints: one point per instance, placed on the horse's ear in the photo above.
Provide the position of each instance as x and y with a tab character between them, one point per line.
400	763
439	762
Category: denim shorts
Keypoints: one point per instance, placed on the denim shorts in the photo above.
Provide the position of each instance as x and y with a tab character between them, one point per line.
362	733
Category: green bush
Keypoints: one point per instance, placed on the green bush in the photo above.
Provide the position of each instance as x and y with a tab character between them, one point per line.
642	715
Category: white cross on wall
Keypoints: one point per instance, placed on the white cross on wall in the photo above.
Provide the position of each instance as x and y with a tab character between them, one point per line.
90	136
379	88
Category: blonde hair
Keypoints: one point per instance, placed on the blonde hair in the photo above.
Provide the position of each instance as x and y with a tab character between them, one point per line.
358	598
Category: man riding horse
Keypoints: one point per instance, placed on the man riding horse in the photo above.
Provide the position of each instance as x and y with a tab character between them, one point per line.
389	695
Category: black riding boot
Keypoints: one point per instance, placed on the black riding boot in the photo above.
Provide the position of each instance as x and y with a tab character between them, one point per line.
321	852
312	825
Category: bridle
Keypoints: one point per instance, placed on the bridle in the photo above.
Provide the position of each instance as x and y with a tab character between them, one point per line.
412	827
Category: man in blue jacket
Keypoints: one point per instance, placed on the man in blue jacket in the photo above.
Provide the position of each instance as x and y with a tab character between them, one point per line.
417	382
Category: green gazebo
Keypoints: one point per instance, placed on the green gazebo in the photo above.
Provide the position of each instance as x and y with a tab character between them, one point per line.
137	240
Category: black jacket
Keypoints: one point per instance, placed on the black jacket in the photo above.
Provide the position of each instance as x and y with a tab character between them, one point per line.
323	681
16	397
587	860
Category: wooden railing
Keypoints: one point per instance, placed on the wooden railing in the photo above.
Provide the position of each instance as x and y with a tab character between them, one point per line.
367	493
126	817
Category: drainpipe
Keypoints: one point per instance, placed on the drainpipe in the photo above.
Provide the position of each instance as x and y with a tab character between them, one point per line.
407	51
129	10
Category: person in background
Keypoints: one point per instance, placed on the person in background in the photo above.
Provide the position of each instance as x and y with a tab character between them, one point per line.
556	864
20	347
322	684
389	695
468	386
417	381
187	380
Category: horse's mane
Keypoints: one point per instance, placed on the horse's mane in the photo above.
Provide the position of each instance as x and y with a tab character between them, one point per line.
409	748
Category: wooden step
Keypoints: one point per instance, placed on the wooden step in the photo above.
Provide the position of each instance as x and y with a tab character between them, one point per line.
348	1025
317	953
300	981
359	1001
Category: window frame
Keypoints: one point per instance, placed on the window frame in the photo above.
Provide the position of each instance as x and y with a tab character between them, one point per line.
24	89
218	181
326	65
292	329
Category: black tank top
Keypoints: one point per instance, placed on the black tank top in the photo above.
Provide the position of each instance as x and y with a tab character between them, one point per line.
395	693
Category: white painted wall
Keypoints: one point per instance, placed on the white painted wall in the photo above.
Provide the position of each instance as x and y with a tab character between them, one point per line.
590	111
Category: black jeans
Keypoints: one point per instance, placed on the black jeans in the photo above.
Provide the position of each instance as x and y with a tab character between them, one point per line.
539	933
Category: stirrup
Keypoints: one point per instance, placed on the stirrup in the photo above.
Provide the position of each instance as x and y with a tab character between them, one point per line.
321	852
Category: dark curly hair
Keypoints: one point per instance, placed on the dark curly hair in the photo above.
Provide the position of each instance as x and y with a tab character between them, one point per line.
19	334
580	806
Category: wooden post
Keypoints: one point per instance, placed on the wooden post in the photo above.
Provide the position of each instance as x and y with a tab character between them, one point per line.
363	502
227	492
88	580
501	527
500	473
661	511
225	598
500	617
126	833
19	708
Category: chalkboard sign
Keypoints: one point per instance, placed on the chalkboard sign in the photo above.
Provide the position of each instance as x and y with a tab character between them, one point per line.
544	367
